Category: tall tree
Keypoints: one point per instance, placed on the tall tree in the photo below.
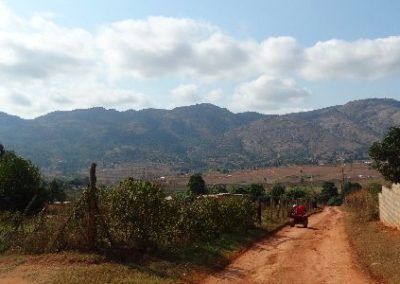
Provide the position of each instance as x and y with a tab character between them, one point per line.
197	185
386	155
19	183
328	191
2	150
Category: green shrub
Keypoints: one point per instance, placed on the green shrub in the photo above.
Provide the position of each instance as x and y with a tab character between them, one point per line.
140	216
256	191
385	155
207	218
137	212
328	191
296	193
19	182
197	185
277	190
335	201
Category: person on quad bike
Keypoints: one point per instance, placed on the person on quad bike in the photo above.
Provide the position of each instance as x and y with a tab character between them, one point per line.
299	210
298	215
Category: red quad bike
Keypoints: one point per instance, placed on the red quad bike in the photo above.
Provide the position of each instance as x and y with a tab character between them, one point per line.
298	219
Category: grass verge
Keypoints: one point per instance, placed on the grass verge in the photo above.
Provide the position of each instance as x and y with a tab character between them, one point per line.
377	247
184	264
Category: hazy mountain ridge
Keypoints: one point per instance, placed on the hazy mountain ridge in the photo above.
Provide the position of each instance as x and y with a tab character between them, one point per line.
198	137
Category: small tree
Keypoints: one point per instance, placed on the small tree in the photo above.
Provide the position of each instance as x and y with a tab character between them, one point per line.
137	212
328	191
278	190
197	185
386	155
296	193
2	150
256	191
19	183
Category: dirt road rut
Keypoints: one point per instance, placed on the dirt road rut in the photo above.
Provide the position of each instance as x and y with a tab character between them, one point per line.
319	254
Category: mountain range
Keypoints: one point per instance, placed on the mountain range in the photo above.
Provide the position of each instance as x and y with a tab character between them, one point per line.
198	137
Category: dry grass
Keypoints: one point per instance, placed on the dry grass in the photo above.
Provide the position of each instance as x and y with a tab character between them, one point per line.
180	265
377	247
358	172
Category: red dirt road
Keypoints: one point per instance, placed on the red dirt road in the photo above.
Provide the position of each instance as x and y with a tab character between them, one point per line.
319	254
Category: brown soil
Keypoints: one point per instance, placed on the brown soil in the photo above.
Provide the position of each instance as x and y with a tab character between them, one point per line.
319	254
13	280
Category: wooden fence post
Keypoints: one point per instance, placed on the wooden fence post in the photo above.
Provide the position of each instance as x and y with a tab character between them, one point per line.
259	219
92	195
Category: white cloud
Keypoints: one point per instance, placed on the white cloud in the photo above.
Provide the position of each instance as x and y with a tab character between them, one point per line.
280	55
39	97
361	59
45	66
186	93
161	46
268	95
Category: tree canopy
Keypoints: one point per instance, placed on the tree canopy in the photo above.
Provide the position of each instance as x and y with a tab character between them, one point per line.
197	185
328	191
2	150
277	190
19	182
386	155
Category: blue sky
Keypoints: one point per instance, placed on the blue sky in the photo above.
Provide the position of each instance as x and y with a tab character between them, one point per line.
266	56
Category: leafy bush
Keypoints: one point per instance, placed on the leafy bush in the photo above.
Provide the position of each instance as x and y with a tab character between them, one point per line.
256	191
335	201
19	182
328	191
140	216
296	193
137	212
277	191
385	155
207	218
197	185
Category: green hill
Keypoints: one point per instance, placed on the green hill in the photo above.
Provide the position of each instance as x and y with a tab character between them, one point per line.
198	137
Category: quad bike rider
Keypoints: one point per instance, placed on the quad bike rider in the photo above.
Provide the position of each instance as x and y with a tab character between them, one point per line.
298	215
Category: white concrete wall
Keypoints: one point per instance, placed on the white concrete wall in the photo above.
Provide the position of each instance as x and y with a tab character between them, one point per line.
389	206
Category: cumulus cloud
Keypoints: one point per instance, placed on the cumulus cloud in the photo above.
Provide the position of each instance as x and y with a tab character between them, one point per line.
45	66
280	55
268	94
36	99
361	59
161	46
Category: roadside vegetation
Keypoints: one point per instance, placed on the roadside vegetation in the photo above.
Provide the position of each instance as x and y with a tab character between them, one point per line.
141	234
377	246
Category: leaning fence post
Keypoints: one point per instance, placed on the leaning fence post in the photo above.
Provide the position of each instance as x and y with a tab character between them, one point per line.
92	191
259	211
